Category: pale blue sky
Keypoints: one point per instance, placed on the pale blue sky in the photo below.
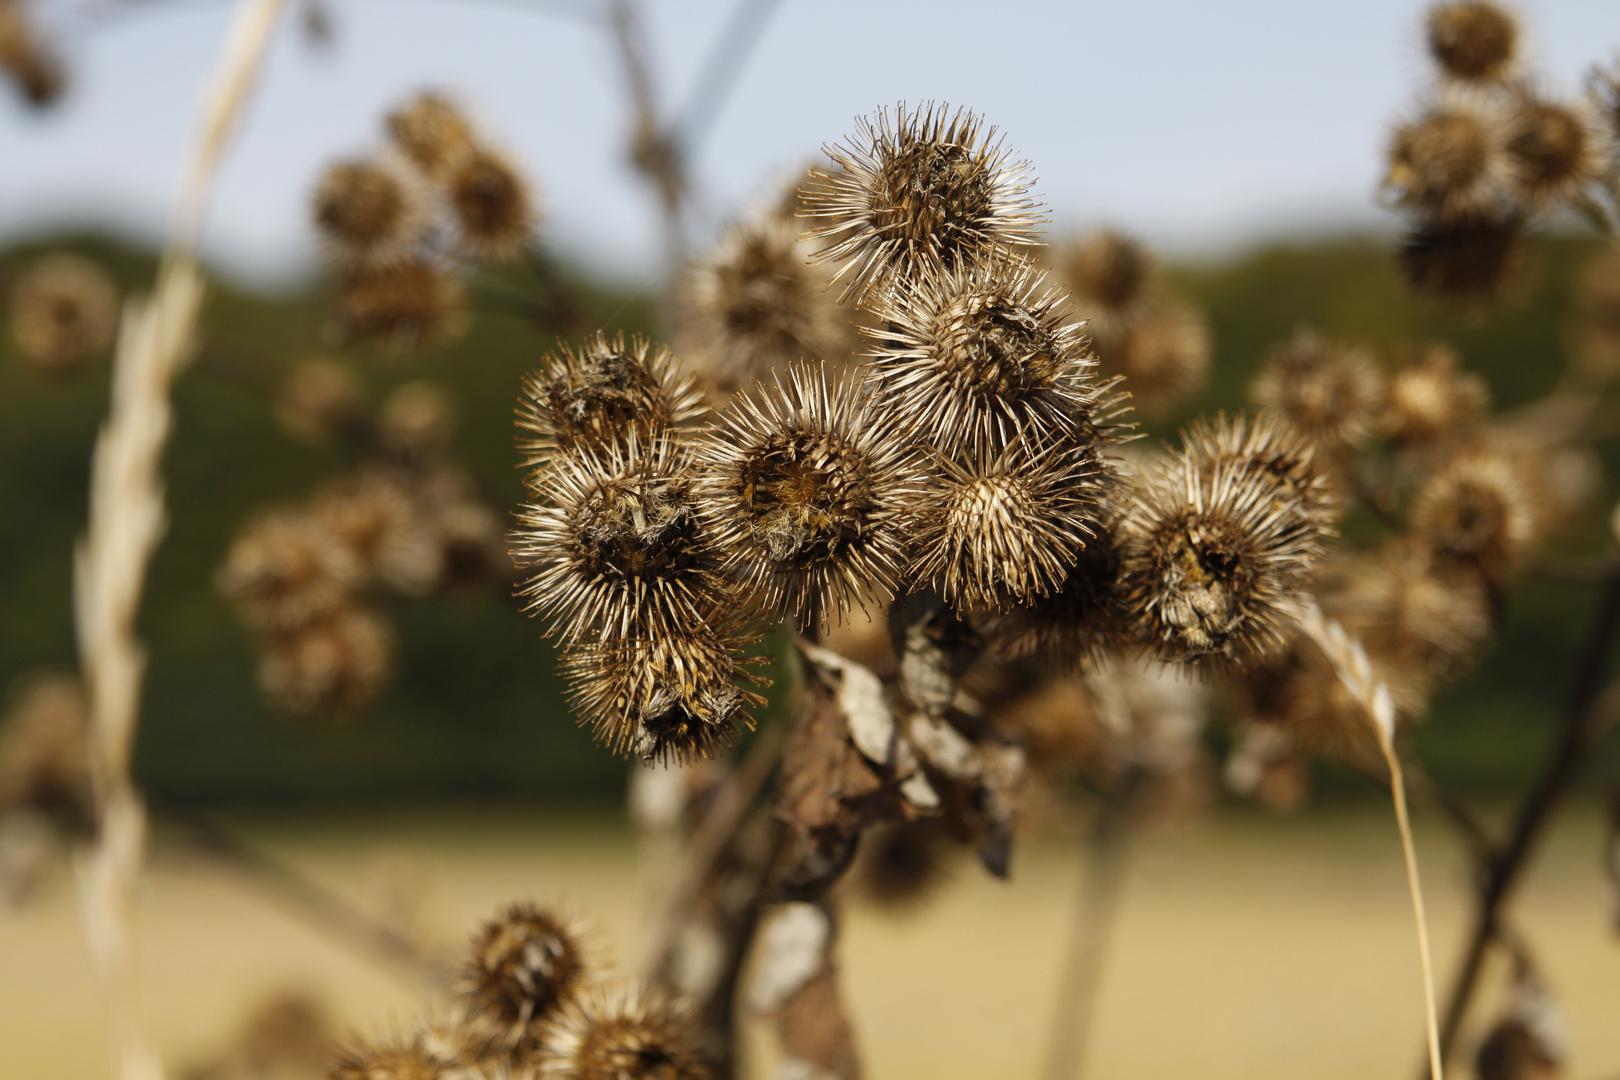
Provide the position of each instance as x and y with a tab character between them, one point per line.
1199	125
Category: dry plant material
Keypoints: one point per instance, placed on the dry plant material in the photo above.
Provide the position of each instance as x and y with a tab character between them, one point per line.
27	58
1332	393
1473	41
369	212
625	1033
64	310
522	968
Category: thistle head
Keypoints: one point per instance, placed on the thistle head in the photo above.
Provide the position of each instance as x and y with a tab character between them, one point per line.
369	211
286	570
923	188
1330	392
403	305
321	399
421	1053
901	866
431	131
604	395
1273	452
1452	159
1558	149
45	750
376	518
1481	509
1414	609
803	484
64	310
492	204
522	967
623	1033
1432	400
338	663
1473	41
1466	262
1106	272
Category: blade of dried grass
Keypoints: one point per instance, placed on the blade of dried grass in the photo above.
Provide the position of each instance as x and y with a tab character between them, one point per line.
1355	670
126	523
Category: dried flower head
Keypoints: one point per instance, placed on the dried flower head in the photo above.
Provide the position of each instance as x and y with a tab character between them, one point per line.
1332	393
1431	399
286	569
901	866
321	399
431	131
619	546
623	1033
1483	509
976	354
992	530
1300	694
1272	451
422	1053
1466	262
1162	355
44	752
1106	272
403	305
522	967
754	305
286	1033
925	188
803	484
369	211
63	310
336	664
492	203
1215	558
1473	41
417	420
27	58
1413	610
602	396
1559	148
1453	159
376	517
671	697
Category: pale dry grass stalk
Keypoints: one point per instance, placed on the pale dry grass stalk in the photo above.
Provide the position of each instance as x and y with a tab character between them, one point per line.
1349	659
126	522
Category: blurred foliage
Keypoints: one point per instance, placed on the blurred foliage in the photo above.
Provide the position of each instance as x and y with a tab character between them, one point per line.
476	711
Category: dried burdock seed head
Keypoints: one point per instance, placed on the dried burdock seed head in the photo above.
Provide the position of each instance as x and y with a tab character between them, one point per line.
369	211
618	545
1162	355
1215	560
602	396
521	968
27	58
337	664
376	517
286	570
1300	693
492	203
321	399
1271	451
924	188
1332	393
900	867
1466	262
754	305
1559	148
422	1053
431	131
1106	272
1057	723
1473	41
287	1033
417	420
403	305
994	530
804	486
1483	509
1431	399
1530	1039
976	354
44	752
671	698
1414	610
64	310
1453	158
623	1033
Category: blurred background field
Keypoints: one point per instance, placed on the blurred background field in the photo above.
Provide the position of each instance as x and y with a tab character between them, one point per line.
1249	948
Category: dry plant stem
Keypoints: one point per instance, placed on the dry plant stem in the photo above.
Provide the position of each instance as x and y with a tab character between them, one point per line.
652	149
126	522
1350	661
1096	902
314	905
1579	736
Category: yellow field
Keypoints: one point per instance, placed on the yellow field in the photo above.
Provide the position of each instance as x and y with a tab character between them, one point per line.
1248	948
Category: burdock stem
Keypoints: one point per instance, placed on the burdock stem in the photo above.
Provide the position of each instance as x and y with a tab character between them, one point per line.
1096	902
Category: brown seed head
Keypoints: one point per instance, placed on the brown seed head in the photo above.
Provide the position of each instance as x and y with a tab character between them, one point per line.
417	420
369	212
1106	271
1414	611
337	664
1271	451
376	517
754	305
286	570
1473	41
493	205
1558	148
900	867
288	1033
424	1053
1467	262
804	486
44	754
403	305
670	698
321	399
1453	159
619	546
521	968
27	58
1332	393
924	188
602	396
975	355
431	131
1162	356
1481	509
64	309
623	1033
1431	399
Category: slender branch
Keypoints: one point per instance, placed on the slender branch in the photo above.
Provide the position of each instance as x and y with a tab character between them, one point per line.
1578	736
725	63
